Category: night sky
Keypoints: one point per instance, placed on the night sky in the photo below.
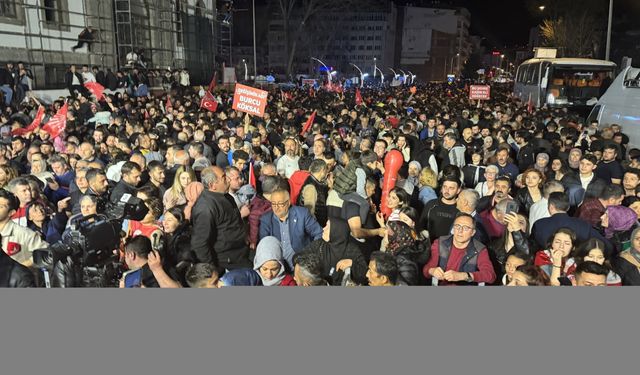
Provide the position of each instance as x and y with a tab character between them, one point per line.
502	22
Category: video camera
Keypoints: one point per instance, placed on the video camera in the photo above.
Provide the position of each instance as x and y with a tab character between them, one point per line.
89	246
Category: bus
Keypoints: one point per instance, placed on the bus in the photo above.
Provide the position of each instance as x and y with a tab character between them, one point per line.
562	82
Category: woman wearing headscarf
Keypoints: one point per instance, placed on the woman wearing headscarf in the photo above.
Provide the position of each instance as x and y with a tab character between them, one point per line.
192	192
414	173
401	242
339	252
270	264
542	163
618	223
574	159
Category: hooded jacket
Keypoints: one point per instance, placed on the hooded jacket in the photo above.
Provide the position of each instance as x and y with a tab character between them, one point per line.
271	249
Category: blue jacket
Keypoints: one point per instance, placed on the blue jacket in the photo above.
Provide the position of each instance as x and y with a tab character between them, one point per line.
303	228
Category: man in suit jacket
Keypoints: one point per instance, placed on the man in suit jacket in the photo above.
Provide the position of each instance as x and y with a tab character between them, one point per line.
543	229
294	226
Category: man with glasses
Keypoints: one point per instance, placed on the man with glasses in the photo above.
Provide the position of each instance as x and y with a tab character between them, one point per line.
293	226
458	258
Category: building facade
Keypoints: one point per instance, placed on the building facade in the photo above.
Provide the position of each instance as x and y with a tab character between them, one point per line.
41	33
435	41
364	37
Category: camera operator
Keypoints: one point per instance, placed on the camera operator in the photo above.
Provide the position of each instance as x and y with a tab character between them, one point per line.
88	206
98	187
17	241
131	173
138	254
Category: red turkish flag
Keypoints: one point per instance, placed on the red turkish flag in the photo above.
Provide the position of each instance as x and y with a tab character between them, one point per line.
530	104
209	102
252	176
57	123
34	124
358	97
168	104
96	89
307	126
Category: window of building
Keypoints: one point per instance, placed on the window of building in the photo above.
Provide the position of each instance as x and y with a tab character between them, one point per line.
361	48
361	37
369	48
178	9
54	75
55	14
8	9
201	9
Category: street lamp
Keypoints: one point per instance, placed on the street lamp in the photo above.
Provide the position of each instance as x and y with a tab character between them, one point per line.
246	73
375	67
501	59
325	66
381	76
541	7
404	75
255	56
608	49
361	74
395	75
411	75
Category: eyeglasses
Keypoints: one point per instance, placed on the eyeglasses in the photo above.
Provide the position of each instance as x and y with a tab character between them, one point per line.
280	205
464	228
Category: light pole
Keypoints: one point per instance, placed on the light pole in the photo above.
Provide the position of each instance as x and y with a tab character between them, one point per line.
361	74
501	59
395	75
246	73
255	55
608	49
404	75
381	76
375	67
410	75
325	66
457	63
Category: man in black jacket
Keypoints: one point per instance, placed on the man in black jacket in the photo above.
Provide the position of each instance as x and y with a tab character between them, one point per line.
526	154
14	274
218	232
131	173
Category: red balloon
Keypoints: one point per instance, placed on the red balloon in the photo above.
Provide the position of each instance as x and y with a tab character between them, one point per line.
392	164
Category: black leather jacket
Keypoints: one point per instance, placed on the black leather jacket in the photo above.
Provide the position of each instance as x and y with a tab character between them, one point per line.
14	274
524	199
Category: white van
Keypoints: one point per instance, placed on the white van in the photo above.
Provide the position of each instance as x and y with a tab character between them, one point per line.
561	82
620	105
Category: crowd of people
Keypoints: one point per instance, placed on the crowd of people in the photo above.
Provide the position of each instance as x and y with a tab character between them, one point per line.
490	193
